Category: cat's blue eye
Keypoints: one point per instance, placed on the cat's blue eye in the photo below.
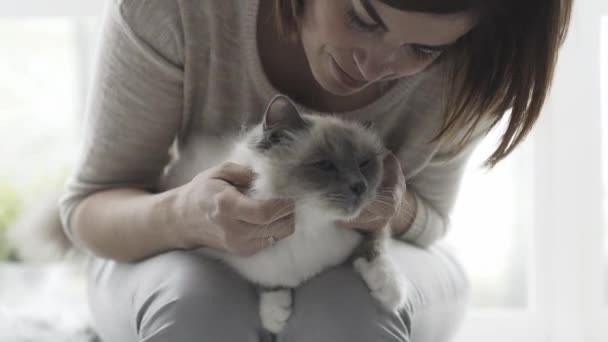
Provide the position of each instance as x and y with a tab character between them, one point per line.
325	165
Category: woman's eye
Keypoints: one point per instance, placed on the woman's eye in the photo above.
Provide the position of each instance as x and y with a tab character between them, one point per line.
359	24
324	165
420	52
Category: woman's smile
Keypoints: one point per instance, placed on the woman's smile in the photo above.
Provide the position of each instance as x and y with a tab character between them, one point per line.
344	77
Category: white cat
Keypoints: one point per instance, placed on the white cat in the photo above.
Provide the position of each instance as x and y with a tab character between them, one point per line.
331	169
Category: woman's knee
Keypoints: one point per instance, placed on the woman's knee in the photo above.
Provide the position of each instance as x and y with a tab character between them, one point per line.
183	296
337	306
197	299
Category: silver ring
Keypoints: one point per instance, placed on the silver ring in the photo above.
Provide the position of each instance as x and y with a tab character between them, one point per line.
271	240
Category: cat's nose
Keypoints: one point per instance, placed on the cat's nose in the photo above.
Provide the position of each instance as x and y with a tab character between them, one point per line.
358	188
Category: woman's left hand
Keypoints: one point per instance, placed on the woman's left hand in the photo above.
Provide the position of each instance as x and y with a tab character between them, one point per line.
388	201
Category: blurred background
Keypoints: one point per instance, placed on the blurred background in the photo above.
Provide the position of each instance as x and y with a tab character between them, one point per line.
532	233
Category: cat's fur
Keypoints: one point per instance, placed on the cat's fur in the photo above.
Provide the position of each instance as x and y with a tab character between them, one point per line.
331	168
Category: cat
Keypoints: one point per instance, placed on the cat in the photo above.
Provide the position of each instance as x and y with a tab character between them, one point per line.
331	168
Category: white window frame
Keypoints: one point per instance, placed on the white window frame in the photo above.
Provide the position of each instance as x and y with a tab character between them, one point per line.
566	296
600	313
569	240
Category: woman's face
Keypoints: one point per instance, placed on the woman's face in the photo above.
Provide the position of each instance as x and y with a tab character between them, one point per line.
351	44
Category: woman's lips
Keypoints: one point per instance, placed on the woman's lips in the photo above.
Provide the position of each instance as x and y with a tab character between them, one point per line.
344	77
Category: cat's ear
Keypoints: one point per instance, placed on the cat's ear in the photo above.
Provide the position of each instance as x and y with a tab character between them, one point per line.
281	113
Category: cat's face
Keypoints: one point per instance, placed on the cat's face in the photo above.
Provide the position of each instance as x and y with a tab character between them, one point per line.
328	163
338	168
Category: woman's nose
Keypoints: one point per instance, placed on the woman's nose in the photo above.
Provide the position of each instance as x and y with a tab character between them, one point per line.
373	66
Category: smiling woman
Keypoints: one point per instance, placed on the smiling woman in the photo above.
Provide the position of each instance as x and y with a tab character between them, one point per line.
513	261
363	48
493	65
432	83
371	49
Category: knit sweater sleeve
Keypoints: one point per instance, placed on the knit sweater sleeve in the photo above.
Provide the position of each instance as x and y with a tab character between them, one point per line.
134	110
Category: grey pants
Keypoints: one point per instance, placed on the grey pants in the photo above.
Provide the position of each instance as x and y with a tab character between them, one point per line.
184	297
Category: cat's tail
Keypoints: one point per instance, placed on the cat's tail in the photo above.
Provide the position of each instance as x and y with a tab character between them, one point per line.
37	235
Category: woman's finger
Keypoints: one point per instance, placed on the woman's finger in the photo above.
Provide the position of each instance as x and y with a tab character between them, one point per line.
279	229
236	205
392	169
235	174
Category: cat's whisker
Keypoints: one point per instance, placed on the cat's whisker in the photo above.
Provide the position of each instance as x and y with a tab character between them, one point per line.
377	212
387	197
383	203
380	205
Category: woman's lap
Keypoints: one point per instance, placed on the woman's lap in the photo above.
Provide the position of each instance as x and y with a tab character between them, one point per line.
183	296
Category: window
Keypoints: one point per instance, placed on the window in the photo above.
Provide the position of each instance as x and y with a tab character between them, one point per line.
45	64
602	316
491	227
44	71
533	233
604	99
40	98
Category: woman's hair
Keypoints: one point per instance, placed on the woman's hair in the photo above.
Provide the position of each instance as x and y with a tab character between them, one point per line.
505	62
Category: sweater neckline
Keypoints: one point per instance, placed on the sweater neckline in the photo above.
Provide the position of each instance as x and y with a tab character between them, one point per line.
252	54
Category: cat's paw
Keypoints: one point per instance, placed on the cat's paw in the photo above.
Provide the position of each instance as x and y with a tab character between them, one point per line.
383	280
275	309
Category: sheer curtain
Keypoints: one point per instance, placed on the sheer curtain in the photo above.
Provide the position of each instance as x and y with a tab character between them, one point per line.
531	233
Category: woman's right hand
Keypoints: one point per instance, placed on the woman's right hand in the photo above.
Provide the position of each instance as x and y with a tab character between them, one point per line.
214	213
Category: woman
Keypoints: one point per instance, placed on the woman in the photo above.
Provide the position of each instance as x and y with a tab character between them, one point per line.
185	76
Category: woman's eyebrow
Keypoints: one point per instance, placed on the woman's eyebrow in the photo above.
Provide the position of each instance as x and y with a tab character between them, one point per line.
371	11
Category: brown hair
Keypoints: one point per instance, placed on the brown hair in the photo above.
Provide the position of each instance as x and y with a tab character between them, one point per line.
506	62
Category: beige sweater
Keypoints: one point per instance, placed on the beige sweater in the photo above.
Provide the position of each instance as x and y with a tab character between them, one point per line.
187	74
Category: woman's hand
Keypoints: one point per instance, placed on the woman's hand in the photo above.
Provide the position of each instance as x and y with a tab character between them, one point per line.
388	201
215	213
